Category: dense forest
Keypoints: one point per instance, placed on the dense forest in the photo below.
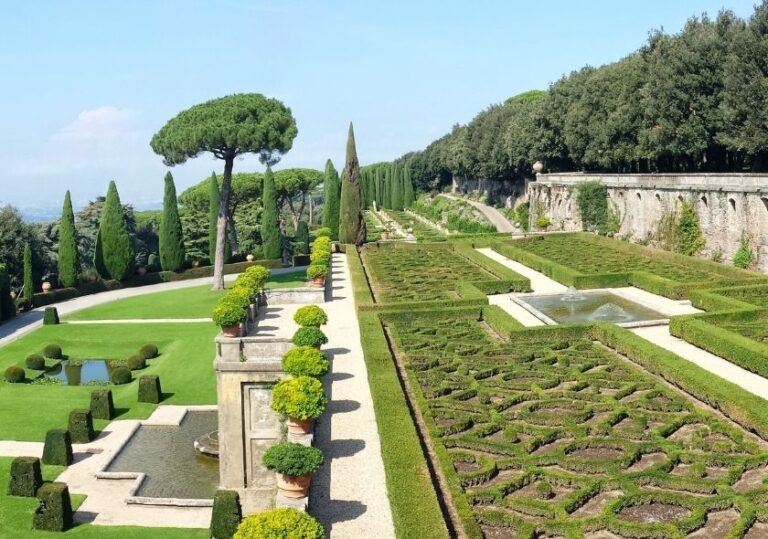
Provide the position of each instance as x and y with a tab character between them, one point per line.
692	101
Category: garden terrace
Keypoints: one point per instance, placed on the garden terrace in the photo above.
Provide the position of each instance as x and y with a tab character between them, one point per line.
455	214
588	261
402	274
421	231
548	433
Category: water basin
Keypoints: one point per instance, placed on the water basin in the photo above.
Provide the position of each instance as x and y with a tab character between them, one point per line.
80	372
167	455
581	306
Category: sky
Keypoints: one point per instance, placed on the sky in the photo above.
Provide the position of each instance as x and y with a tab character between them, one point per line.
85	84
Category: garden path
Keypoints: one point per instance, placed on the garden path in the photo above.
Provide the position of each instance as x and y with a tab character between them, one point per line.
29	321
349	493
540	283
496	218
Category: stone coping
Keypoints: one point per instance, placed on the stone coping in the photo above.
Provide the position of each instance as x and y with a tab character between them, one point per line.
168	415
735	182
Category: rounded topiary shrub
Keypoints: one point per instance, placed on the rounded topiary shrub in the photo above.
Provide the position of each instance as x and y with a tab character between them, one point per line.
293	459
226	514
52	351
136	362
305	361
280	523
309	337
54	514
26	477
149	351
58	448
15	375
301	398
35	362
120	375
310	316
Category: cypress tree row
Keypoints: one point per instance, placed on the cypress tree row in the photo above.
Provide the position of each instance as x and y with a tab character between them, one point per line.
331	195
302	238
114	246
171	235
379	188
408	196
397	188
270	229
68	263
351	224
29	288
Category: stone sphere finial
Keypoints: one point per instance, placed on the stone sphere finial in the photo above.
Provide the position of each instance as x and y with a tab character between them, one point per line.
538	166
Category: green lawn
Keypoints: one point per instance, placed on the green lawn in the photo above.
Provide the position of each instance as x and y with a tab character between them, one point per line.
185	368
16	517
193	302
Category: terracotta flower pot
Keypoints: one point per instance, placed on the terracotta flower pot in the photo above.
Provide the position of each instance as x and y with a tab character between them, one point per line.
294	486
318	281
231	331
298	426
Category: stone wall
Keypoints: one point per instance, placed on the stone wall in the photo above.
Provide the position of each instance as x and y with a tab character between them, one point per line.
727	205
506	191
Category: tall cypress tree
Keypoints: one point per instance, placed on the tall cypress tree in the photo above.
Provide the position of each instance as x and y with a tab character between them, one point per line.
351	224
69	264
397	188
171	235
270	228
331	193
408	196
29	288
379	190
114	246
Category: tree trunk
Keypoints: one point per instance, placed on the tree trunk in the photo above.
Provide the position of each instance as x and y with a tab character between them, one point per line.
221	224
232	233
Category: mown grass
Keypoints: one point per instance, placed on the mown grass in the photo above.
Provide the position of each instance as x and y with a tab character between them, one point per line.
16	517
192	302
28	410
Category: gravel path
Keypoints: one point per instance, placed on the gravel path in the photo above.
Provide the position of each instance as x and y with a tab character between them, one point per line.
496	218
349	493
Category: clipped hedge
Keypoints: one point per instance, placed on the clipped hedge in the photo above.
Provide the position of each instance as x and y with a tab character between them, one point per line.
149	389
26	477
51	316
58	448
226	514
149	351
36	362
81	426
120	376
54	513
52	351
102	405
15	375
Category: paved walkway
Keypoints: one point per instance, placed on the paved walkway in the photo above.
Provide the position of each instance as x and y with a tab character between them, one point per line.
349	493
496	218
540	283
29	321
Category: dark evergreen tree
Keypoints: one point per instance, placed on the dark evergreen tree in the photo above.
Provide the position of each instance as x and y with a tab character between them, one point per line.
171	235
7	307
408	196
397	188
331	194
114	245
29	288
270	227
302	238
351	223
379	187
68	263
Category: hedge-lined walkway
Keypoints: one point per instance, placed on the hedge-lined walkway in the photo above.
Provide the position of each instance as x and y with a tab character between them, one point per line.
349	493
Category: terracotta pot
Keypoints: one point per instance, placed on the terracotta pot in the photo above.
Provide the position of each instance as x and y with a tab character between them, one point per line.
318	281
250	258
231	331
46	286
298	426
294	486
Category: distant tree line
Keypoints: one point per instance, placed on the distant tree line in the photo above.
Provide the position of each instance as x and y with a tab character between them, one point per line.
689	102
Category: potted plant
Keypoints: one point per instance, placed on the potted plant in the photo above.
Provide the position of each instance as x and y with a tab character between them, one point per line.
317	273
229	313
294	465
301	400
310	316
305	361
309	337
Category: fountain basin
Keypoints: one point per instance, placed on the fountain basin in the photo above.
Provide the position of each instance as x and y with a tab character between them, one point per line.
75	373
589	306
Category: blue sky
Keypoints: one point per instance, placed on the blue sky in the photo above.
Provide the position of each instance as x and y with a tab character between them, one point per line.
85	84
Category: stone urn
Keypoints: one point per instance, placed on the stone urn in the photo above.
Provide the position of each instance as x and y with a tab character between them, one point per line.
385	235
294	486
141	271
250	258
46	286
538	167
